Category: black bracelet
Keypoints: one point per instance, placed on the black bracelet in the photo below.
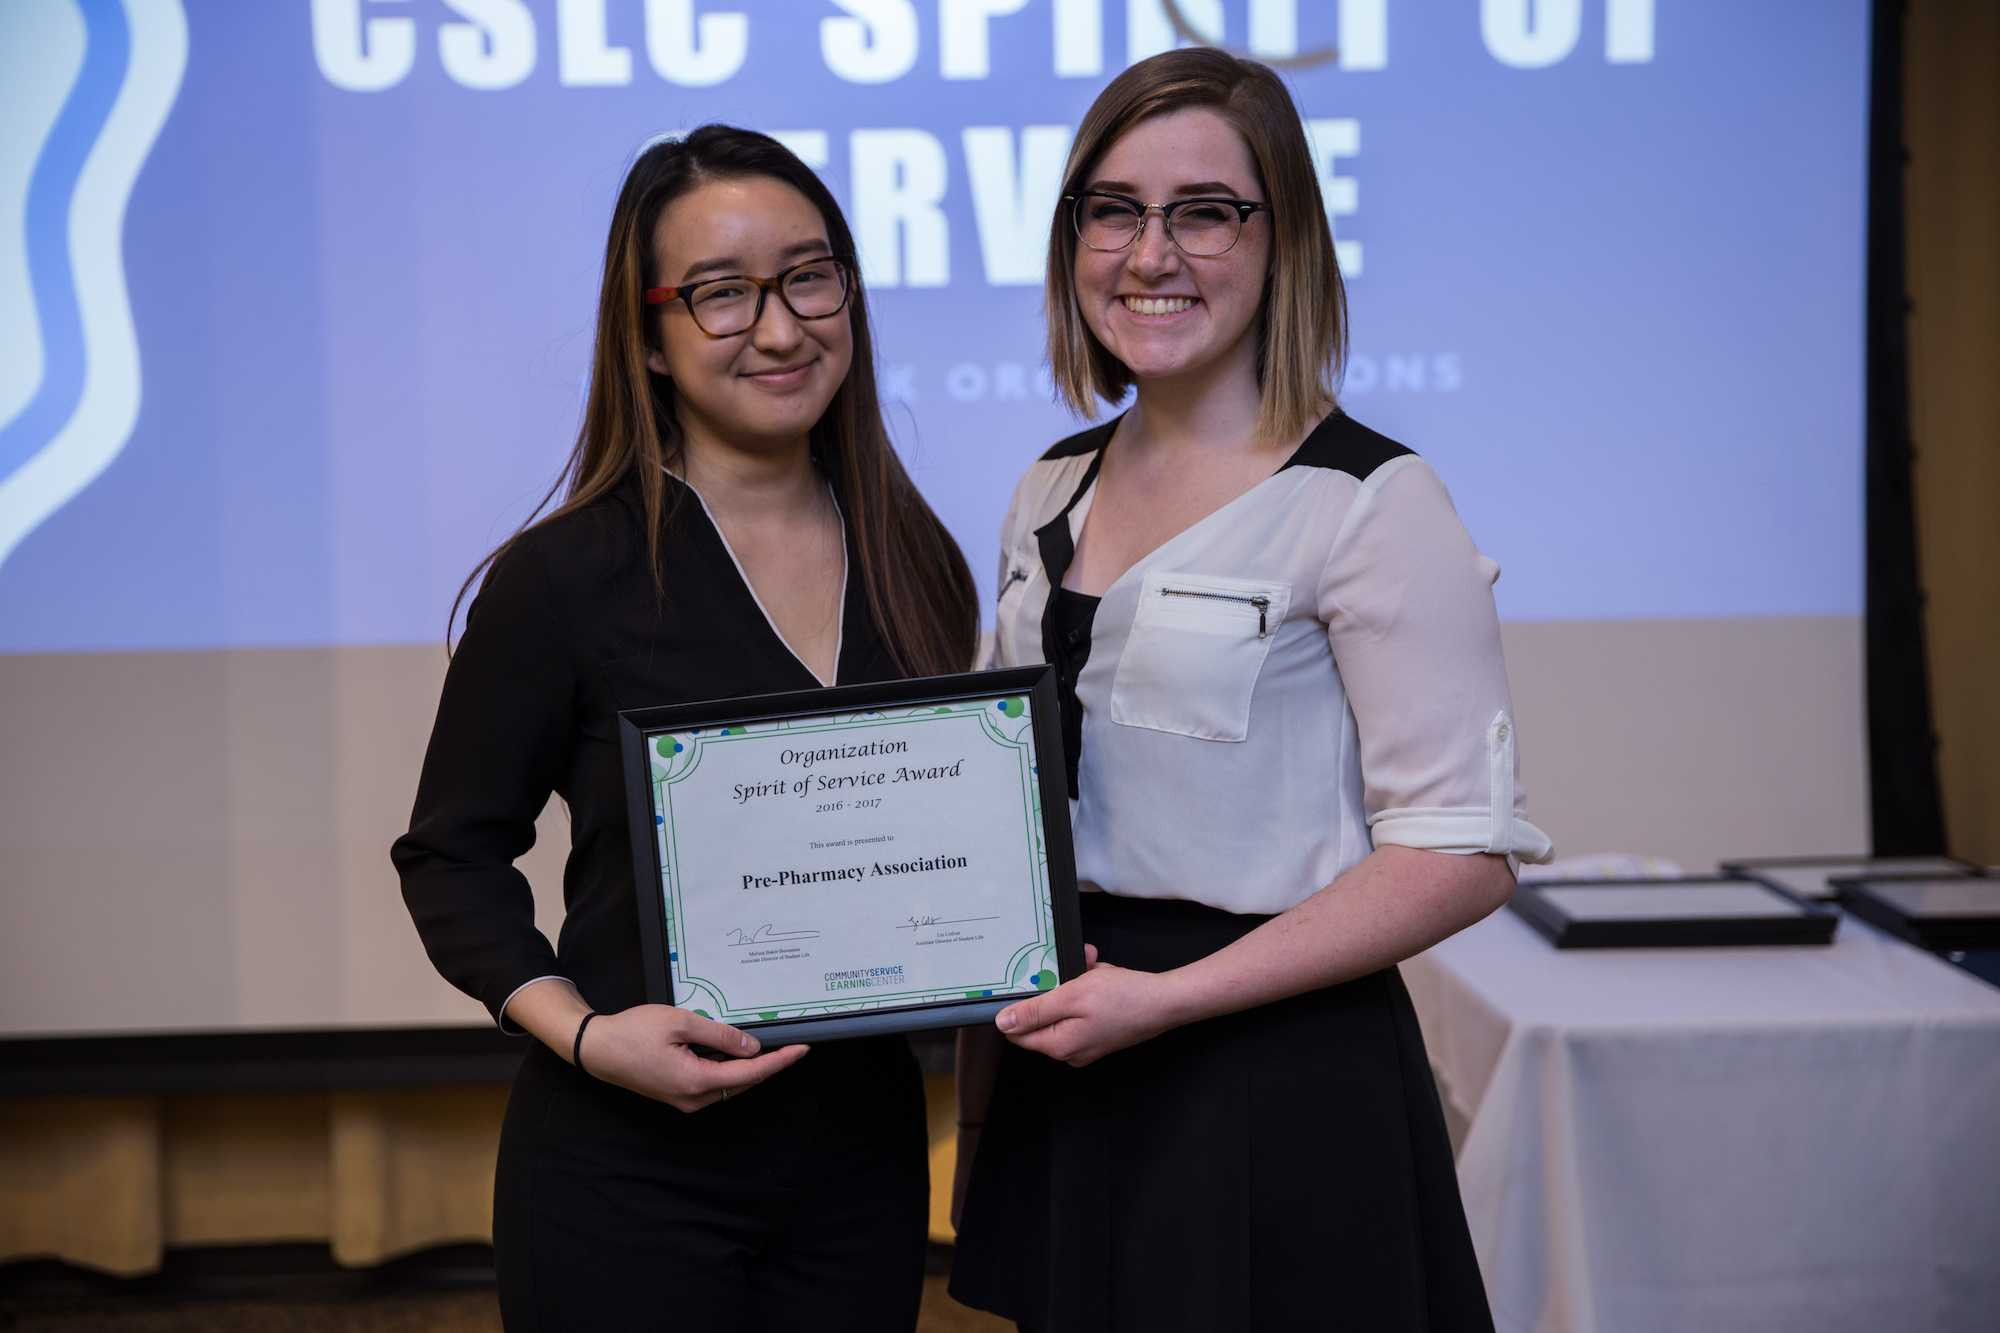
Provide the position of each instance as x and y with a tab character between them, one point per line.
576	1047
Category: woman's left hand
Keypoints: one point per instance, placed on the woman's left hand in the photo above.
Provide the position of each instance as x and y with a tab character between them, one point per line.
1087	1018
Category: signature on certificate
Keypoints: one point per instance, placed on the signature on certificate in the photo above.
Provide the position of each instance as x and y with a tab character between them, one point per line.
765	934
918	922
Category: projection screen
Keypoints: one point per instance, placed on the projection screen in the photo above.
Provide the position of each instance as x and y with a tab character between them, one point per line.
296	303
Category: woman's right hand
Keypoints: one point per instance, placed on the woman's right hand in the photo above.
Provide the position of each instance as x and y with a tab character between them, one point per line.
649	1049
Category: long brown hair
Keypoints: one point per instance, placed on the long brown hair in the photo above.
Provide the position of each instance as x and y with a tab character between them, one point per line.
918	587
1305	301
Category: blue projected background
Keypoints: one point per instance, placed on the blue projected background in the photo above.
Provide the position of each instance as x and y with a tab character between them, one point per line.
296	298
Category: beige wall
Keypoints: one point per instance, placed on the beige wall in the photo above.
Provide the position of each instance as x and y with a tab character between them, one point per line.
1695	740
200	840
1952	128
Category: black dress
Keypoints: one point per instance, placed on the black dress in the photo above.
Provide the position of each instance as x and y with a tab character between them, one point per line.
802	1202
1282	1168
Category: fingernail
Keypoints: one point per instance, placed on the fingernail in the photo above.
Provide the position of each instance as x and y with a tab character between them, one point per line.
1006	1020
749	1044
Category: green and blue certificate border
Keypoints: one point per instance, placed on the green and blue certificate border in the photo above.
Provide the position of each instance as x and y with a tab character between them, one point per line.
657	754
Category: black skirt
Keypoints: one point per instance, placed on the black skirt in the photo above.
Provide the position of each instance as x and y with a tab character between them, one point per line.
1282	1168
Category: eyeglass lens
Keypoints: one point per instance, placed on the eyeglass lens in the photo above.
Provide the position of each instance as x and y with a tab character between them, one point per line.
731	305
1197	226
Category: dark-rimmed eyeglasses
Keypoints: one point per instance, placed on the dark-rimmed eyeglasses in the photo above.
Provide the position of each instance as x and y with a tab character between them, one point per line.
1201	227
726	306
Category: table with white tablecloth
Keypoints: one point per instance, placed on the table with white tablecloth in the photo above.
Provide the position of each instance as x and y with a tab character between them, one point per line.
1764	1139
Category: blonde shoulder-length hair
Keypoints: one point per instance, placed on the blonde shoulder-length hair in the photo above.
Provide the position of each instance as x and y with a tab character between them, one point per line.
1304	342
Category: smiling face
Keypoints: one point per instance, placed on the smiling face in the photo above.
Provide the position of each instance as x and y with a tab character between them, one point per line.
767	387
1165	314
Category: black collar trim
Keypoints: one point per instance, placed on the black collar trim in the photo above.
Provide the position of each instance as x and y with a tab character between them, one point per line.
1339	443
1342	444
1058	548
1084	441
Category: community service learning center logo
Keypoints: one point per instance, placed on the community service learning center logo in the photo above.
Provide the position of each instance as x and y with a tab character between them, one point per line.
85	86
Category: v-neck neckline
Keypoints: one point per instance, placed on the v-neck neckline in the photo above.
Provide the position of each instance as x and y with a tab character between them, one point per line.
1077	512
743	576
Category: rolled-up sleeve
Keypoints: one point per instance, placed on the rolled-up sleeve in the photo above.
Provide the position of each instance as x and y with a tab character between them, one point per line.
498	749
1408	603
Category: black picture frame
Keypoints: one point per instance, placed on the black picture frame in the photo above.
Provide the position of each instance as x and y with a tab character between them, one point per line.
1937	932
1037	683
1806	923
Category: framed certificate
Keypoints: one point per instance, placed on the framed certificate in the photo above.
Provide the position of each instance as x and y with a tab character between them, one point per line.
1690	911
854	860
1814	876
1942	913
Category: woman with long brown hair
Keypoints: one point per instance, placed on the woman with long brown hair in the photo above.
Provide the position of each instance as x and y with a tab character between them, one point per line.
734	522
1291	766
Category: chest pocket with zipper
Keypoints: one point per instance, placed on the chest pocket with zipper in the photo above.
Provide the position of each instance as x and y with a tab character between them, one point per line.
1197	644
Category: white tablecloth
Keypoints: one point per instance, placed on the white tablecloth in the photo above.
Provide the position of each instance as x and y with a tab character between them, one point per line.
1711	1140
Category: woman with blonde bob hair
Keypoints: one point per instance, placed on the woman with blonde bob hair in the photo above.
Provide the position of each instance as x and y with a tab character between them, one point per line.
1291	766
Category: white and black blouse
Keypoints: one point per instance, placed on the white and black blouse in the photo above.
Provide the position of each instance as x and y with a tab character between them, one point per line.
1311	671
